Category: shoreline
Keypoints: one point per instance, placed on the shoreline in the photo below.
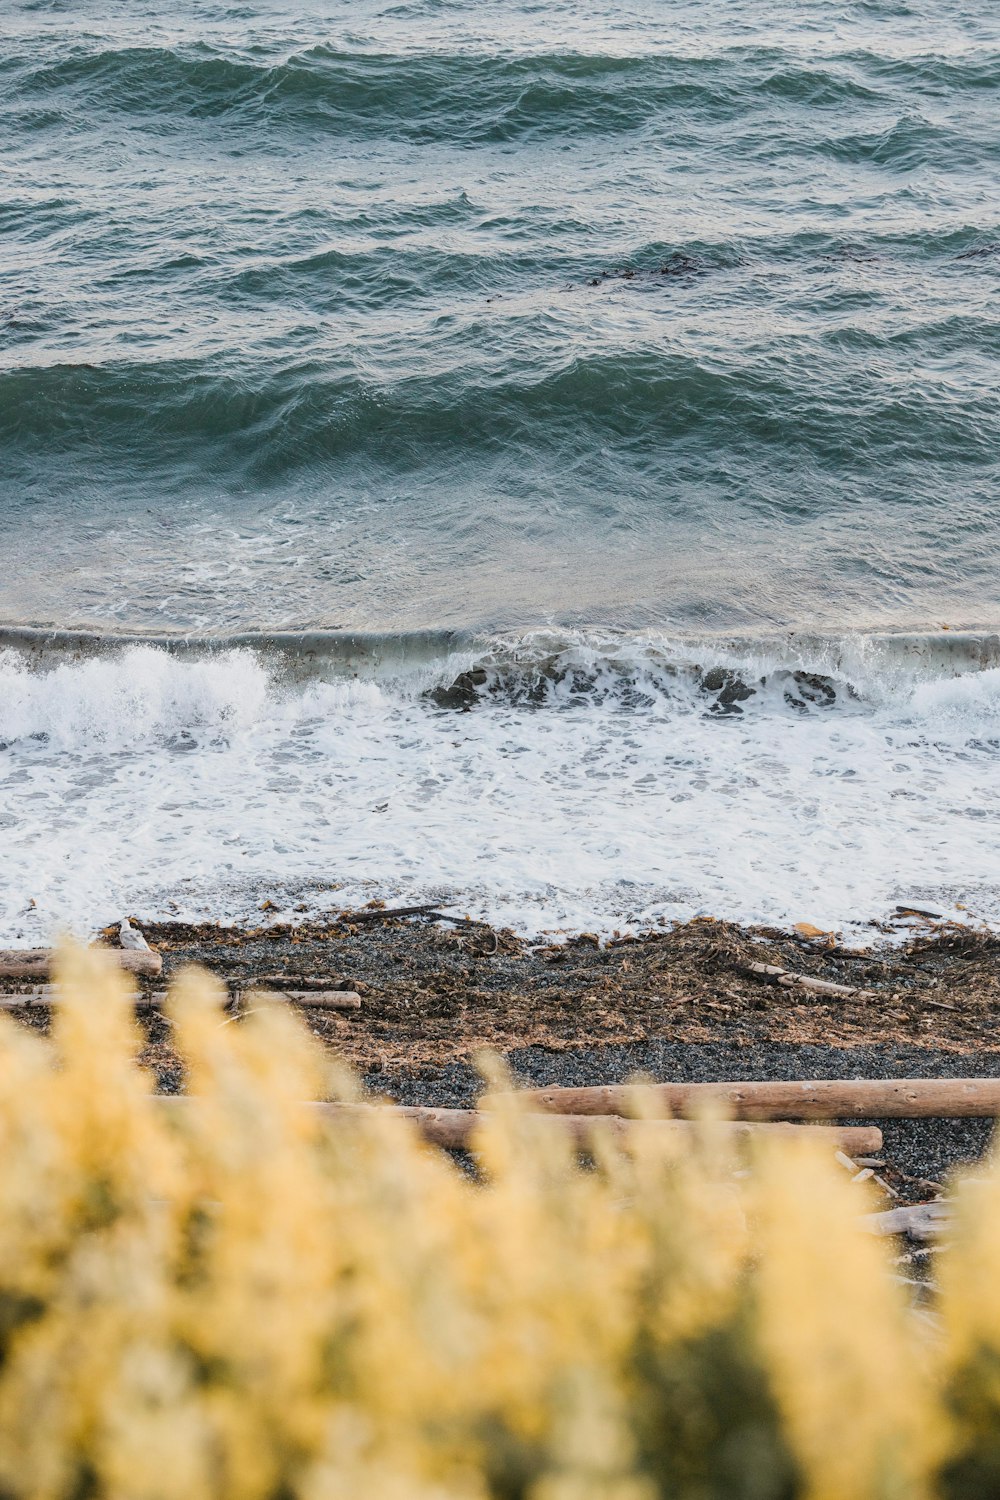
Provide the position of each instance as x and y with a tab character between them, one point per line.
438	990
682	1003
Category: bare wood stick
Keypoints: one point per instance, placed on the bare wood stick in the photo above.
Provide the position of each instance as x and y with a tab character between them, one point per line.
45	996
800	1099
326	999
786	978
320	999
918	1221
455	1128
36	963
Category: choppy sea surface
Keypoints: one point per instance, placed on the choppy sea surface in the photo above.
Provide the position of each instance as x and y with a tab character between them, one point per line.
539	457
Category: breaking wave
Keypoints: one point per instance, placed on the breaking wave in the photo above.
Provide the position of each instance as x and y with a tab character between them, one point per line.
553	781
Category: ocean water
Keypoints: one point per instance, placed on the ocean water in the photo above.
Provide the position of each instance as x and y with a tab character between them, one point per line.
539	457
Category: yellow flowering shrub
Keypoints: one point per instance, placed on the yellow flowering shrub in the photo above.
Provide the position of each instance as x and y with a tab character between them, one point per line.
231	1296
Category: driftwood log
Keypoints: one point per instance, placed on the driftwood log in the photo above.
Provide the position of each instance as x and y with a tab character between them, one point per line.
772	974
455	1128
918	1221
43	996
36	963
321	999
806	1099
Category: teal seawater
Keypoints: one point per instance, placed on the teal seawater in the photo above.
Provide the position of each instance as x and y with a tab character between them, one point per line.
385	317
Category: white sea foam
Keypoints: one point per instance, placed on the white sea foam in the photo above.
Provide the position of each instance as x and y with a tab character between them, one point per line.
613	794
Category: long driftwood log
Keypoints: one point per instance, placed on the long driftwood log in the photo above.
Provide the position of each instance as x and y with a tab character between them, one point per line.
44	996
804	1099
455	1128
36	963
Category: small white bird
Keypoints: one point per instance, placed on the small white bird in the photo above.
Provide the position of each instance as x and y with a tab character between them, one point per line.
132	938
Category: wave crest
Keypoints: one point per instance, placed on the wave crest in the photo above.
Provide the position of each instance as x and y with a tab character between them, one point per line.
479	98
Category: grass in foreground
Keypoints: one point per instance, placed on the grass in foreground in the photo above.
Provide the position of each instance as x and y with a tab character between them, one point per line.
228	1298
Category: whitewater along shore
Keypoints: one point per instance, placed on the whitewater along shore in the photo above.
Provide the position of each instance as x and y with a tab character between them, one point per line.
705	1001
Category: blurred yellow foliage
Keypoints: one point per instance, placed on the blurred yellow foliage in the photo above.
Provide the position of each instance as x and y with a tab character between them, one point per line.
230	1297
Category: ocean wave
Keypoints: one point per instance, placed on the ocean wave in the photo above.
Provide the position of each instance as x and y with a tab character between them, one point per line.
264	421
92	686
475	98
140	696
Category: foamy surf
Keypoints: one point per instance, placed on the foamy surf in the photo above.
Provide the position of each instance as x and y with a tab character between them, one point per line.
552	781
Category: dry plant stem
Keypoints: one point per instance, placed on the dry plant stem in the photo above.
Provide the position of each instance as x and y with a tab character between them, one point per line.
36	963
807	1099
237	1296
775	975
454	1128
